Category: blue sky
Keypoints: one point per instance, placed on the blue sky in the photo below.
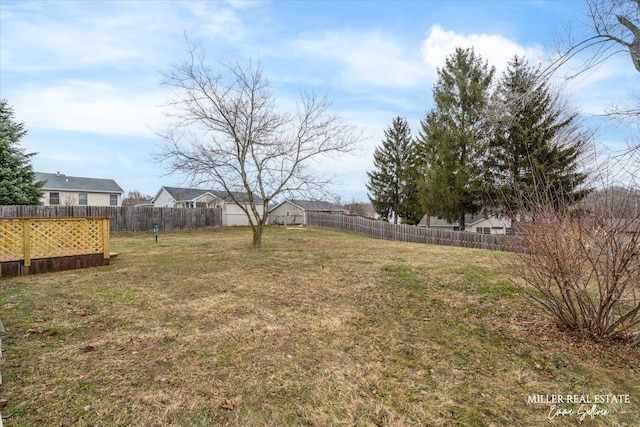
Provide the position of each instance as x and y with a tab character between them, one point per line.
85	77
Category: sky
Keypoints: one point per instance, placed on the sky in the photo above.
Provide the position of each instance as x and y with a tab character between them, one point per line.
85	77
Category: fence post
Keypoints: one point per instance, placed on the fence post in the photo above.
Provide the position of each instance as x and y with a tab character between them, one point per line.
105	238
26	233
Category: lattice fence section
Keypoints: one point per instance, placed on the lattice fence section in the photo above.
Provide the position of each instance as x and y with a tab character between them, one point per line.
66	237
37	238
11	239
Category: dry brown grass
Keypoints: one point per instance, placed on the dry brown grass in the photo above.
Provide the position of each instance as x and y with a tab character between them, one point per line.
316	328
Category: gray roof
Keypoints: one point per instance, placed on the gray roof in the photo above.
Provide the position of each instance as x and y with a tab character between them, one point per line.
314	205
188	194
58	181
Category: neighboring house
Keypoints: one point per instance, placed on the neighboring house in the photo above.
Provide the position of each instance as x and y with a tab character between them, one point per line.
232	213
294	212
475	224
63	190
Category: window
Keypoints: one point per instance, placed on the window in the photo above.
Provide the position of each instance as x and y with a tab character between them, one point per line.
54	198
82	199
113	200
483	230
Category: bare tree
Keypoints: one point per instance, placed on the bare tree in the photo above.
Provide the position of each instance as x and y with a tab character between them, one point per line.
229	133
614	28
134	197
68	199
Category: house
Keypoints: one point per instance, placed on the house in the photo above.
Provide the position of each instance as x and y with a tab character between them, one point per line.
490	224
232	213
63	190
294	212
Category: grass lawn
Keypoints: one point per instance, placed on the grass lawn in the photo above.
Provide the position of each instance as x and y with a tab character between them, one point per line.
316	328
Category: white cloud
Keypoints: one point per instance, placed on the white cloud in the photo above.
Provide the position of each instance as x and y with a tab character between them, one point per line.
221	22
89	107
372	58
112	35
39	41
494	48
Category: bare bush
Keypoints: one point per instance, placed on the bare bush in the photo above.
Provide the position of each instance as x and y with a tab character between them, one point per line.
582	262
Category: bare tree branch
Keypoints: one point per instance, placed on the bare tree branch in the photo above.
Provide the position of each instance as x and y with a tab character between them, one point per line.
614	26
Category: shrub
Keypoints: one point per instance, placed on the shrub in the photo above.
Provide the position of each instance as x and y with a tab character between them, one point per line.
582	263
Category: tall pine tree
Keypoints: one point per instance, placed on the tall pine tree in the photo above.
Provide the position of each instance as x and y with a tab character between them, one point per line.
18	184
411	210
535	147
386	183
453	138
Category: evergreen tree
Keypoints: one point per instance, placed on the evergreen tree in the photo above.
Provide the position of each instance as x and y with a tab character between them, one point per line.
17	179
453	138
387	181
411	210
535	146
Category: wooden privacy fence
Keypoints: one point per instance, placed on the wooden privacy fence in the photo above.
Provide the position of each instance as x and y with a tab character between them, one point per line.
411	233
37	245
127	218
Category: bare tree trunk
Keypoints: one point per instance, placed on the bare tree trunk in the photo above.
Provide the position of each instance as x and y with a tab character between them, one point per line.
257	235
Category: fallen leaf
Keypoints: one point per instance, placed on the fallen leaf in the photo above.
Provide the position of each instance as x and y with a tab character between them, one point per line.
228	404
3	403
89	348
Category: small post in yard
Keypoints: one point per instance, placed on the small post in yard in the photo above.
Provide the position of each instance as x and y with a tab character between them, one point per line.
156	230
106	250
26	233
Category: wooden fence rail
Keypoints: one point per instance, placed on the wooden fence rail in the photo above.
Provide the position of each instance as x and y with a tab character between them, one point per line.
411	233
127	218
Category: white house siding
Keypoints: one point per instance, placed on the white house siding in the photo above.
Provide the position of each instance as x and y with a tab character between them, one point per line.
234	216
70	198
164	200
